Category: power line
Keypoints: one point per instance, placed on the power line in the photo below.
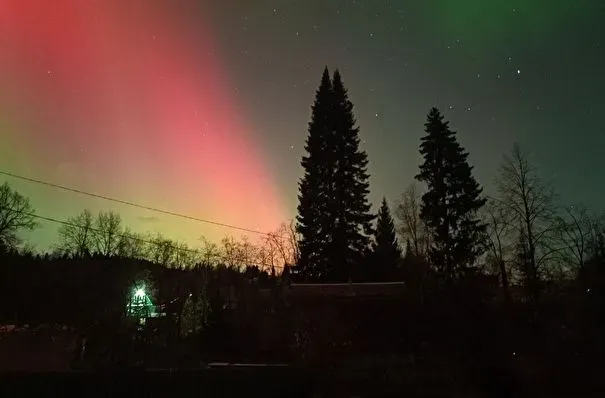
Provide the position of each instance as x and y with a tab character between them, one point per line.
170	213
134	238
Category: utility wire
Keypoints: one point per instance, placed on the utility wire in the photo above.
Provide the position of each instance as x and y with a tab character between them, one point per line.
170	213
135	238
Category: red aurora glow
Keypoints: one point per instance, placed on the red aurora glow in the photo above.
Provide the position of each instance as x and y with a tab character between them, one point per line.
131	94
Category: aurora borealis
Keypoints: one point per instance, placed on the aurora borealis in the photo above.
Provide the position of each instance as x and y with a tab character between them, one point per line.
115	98
201	107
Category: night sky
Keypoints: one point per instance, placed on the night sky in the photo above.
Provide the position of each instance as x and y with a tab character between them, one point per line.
201	107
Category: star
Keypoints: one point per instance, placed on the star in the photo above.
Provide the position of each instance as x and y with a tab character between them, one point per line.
518	71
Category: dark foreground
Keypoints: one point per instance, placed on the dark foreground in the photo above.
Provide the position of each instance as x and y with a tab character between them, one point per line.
238	381
233	382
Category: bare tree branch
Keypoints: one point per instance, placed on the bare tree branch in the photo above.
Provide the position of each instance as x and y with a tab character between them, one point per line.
498	239
107	234
130	245
531	207
410	226
210	252
577	231
77	237
16	213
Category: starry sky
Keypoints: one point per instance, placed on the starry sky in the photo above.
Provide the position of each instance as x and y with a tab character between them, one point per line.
201	107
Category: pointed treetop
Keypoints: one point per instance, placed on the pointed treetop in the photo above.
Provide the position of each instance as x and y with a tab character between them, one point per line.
385	247
325	78
326	74
337	82
323	96
436	113
435	118
337	77
385	228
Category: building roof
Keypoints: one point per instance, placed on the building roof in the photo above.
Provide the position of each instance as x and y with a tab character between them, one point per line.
345	289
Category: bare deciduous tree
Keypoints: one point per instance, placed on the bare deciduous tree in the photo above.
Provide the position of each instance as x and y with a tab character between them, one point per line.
161	250
210	253
596	244
577	230
248	253
269	253
16	213
231	252
497	240
184	256
282	246
107	234
531	206
131	245
77	235
411	228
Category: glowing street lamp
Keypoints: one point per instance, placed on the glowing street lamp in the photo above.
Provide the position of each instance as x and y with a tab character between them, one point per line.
139	304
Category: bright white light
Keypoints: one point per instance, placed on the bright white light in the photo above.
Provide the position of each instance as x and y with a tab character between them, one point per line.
139	292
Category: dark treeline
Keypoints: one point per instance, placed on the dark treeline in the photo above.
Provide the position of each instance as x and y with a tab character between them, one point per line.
78	291
89	296
488	278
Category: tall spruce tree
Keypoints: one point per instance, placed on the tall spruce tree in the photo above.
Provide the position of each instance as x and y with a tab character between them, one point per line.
386	254
334	217
450	205
312	223
350	207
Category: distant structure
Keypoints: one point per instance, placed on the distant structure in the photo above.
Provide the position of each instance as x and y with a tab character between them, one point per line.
140	306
